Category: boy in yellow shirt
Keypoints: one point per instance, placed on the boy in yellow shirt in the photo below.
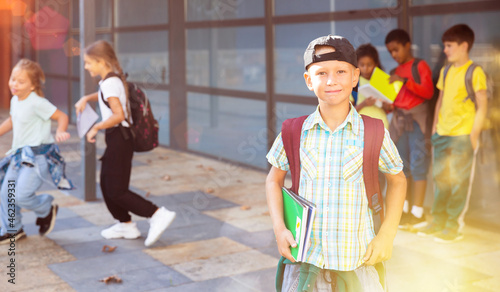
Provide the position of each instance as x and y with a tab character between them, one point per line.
457	124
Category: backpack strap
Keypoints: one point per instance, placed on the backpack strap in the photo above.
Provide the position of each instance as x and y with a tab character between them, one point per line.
374	137
414	70
127	106
291	131
468	83
445	72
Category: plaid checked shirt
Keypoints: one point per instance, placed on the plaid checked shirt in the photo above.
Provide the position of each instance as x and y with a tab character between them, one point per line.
332	177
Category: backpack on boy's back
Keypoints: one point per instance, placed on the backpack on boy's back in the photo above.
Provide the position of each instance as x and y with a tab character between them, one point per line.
144	127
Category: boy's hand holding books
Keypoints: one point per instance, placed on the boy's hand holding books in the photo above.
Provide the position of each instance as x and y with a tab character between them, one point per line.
284	239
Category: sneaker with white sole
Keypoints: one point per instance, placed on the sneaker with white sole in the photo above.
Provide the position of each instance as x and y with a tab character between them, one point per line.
121	230
160	220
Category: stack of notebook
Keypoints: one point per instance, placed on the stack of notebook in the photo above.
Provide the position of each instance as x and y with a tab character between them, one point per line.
298	215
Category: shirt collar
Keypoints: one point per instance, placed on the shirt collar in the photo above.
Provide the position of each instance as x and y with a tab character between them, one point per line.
352	121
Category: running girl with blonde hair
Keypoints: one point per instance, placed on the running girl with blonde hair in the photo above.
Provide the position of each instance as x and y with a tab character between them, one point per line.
101	61
34	154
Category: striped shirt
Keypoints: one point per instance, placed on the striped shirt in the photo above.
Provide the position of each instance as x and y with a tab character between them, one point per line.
332	178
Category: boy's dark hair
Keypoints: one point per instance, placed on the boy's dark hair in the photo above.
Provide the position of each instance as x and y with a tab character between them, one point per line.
367	50
398	35
459	33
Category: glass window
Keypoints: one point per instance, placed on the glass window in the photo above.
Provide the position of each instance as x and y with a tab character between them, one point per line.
231	58
56	91
285	110
285	7
428	31
53	61
103	13
232	128
140	13
75	8
144	63
223	9
160	104
292	40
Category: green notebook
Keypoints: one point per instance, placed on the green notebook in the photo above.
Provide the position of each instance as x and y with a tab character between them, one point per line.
380	88
298	214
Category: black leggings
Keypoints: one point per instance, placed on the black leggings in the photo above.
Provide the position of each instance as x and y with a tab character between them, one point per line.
115	178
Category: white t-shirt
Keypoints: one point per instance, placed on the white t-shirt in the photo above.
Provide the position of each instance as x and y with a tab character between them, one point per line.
112	87
31	121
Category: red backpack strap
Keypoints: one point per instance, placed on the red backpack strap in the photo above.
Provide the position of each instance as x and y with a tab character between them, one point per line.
291	130
374	137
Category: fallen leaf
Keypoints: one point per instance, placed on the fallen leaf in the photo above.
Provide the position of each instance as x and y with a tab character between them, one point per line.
244	207
199	166
239	181
209	191
265	213
107	248
163	157
148	194
210	169
166	177
111	279
149	161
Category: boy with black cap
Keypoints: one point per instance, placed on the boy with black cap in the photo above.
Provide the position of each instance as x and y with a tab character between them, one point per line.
343	242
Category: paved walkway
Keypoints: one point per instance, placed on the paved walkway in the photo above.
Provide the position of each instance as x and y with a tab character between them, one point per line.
221	240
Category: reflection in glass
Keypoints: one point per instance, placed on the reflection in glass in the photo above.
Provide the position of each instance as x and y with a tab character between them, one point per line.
144	63
231	58
234	128
140	13
198	10
160	104
285	7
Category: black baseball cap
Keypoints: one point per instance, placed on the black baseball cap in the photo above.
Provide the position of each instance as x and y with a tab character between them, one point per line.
344	51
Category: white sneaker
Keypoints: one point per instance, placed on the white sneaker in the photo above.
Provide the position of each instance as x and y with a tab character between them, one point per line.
121	230
160	220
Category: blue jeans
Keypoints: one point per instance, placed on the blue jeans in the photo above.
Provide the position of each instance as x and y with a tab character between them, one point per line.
413	151
23	183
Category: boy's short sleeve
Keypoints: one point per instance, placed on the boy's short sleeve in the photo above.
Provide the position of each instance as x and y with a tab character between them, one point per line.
277	155
44	109
479	79
389	160
439	84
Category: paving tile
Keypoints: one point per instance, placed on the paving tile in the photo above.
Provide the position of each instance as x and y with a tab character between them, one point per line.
225	265
39	278
42	249
77	235
61	224
475	241
136	280
262	280
190	251
104	266
254	219
215	285
174	236
201	201
480	262
98	214
426	273
488	285
260	239
94	248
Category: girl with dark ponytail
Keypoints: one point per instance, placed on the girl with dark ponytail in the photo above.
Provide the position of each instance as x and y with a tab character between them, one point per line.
100	60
